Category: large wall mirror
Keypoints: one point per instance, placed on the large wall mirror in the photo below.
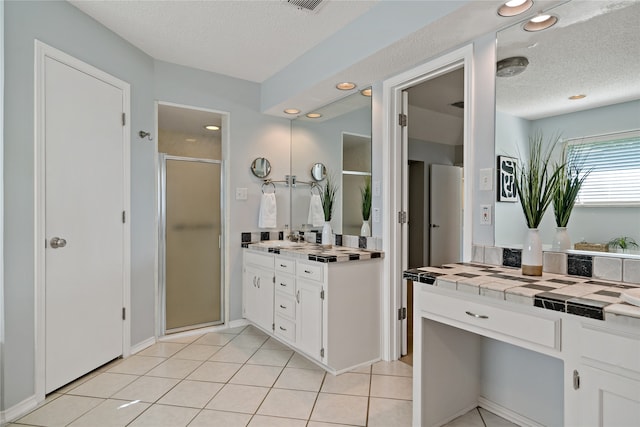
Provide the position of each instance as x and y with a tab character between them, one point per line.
593	50
338	136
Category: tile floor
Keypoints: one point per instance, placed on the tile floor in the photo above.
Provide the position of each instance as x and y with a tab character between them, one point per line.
235	377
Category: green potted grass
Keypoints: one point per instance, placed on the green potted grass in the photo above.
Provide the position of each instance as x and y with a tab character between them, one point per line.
365	193
328	198
570	179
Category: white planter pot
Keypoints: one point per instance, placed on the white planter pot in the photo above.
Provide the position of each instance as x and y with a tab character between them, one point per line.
561	241
366	229
532	254
327	234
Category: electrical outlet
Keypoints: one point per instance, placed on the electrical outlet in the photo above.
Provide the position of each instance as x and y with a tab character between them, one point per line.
241	194
485	214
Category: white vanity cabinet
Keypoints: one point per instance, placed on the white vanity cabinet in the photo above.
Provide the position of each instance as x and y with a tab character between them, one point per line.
330	312
258	289
609	377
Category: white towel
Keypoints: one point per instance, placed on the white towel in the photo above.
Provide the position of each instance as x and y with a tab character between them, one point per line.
268	211
316	213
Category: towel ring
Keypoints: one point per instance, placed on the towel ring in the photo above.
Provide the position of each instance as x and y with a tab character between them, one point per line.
314	185
268	183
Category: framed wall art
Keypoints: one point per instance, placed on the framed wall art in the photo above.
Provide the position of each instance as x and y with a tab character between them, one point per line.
507	179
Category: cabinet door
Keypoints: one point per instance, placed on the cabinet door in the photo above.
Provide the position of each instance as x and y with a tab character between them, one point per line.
309	318
608	400
258	296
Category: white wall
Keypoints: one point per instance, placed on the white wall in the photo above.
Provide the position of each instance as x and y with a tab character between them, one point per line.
1	209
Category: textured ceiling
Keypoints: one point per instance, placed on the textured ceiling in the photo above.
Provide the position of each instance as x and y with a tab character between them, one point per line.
250	40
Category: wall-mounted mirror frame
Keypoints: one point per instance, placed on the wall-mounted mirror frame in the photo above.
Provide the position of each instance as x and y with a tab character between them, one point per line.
261	167
586	52
320	140
318	172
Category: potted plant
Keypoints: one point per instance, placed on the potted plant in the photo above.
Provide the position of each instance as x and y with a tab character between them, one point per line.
328	197
536	184
365	193
623	243
570	179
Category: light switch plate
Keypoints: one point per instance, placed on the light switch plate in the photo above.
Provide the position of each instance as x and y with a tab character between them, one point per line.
485	214
486	179
241	194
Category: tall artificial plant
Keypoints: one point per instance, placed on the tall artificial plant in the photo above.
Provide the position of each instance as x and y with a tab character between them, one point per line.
536	182
365	192
570	179
328	197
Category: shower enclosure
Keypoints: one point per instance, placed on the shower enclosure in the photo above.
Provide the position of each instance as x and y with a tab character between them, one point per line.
190	243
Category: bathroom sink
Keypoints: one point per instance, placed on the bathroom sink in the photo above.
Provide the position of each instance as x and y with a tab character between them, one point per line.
282	244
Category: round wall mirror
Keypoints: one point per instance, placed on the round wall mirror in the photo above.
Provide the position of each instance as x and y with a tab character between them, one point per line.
261	167
318	172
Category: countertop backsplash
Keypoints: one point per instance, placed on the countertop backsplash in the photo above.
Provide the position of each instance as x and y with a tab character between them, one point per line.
359	242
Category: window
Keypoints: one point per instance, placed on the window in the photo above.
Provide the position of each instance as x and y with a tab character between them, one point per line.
614	161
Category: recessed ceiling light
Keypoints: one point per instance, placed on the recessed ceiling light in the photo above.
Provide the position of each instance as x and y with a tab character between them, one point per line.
314	115
292	111
514	7
346	86
574	97
366	92
191	140
212	127
540	22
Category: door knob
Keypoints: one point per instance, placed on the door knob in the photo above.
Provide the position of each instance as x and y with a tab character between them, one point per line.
58	242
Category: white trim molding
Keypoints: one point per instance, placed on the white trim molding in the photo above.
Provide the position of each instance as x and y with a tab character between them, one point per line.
392	186
43	51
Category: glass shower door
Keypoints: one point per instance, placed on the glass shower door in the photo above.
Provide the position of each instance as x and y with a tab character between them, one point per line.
192	243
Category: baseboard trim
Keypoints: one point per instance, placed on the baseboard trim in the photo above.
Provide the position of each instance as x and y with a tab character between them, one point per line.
18	410
142	345
237	323
507	414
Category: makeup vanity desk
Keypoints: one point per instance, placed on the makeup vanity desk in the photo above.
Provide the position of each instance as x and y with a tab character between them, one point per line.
550	350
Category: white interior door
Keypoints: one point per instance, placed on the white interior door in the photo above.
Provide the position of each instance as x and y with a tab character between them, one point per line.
445	214
84	202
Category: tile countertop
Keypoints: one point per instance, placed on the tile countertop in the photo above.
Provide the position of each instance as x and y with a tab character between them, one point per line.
581	296
315	252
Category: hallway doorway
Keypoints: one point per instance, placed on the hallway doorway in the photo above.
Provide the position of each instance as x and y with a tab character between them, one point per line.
191	212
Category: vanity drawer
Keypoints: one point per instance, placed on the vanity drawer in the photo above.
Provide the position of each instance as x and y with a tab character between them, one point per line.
260	260
493	321
311	271
285	328
285	283
285	305
285	265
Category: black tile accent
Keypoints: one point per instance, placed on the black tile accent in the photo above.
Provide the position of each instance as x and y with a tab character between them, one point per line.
265	235
551	301
318	237
512	257
281	235
376	254
608	294
562	281
579	265
587	308
466	275
421	276
362	242
508	277
245	245
597	282
246	237
274	250
473	265
339	239
353	257
323	258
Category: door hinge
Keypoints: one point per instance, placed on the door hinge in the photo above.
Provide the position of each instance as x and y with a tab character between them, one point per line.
273	326
322	352
402	217
576	379
322	294
124	119
124	313
274	280
124	217
402	120
402	313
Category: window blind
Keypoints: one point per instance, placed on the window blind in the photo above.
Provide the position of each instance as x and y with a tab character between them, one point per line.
614	162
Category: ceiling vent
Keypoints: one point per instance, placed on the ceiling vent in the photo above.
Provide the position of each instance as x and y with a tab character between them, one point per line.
305	4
